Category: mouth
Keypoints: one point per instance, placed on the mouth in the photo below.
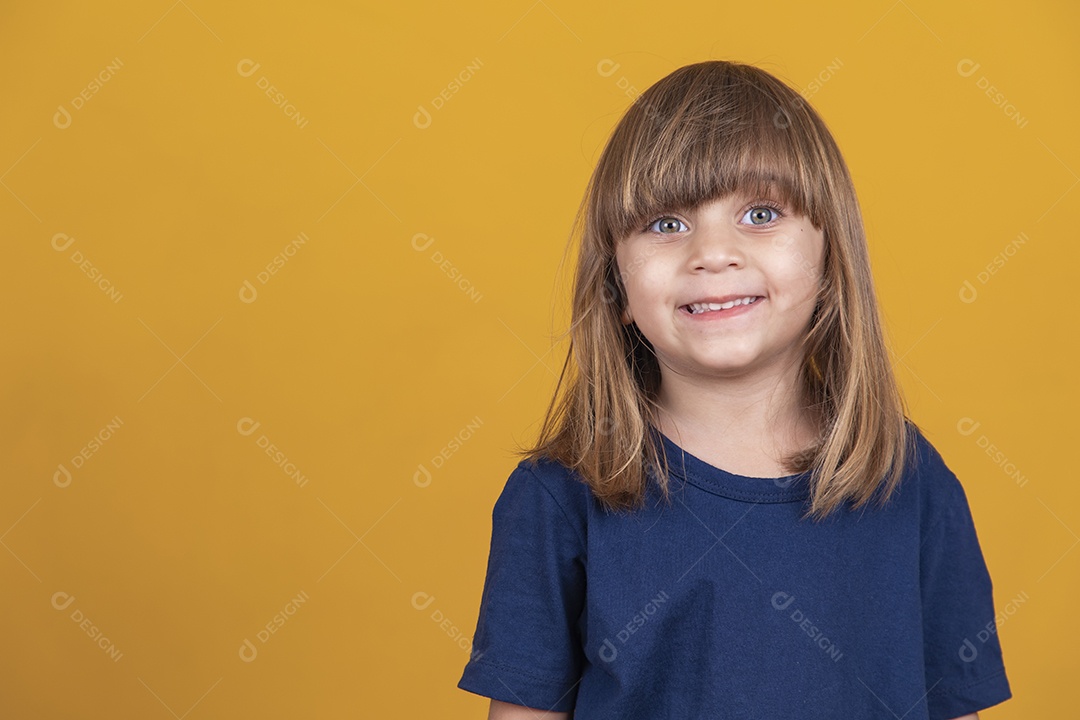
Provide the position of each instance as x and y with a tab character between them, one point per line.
721	306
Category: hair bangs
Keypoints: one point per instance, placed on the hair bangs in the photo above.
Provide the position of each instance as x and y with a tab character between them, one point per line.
682	156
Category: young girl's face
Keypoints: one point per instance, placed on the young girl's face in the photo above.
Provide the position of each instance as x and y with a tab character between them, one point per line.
734	248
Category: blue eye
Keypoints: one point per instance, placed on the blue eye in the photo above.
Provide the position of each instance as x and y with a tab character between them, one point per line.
667	222
759	214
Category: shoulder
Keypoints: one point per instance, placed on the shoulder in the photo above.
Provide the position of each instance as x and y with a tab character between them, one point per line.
941	493
547	491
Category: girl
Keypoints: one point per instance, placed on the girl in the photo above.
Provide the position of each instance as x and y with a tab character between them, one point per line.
693	534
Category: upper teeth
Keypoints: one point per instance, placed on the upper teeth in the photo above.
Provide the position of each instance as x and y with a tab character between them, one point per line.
703	307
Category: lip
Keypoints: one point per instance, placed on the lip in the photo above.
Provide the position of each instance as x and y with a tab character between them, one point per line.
736	311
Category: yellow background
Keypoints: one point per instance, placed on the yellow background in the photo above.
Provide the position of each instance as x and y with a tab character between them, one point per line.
363	357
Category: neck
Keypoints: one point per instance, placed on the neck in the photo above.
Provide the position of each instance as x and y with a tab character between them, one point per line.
749	422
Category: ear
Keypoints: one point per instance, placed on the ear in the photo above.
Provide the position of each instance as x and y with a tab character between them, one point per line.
626	317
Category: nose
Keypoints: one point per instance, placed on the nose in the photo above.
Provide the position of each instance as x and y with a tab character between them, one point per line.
714	246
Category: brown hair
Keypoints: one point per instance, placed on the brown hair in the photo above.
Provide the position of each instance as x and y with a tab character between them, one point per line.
707	130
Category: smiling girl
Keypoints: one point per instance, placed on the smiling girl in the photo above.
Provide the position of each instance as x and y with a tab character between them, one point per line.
728	513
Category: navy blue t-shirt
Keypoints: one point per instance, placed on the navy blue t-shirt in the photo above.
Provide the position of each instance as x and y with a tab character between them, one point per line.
726	604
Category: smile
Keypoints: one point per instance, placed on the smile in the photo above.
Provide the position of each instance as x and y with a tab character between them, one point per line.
701	308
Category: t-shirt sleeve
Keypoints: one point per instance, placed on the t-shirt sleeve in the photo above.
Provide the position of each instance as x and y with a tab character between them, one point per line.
527	649
965	672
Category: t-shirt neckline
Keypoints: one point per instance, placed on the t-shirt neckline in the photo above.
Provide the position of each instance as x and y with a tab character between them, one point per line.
789	488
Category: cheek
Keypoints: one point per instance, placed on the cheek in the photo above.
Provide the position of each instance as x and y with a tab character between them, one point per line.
796	262
648	286
634	272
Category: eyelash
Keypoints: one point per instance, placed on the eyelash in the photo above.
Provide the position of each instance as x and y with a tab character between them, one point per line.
757	204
